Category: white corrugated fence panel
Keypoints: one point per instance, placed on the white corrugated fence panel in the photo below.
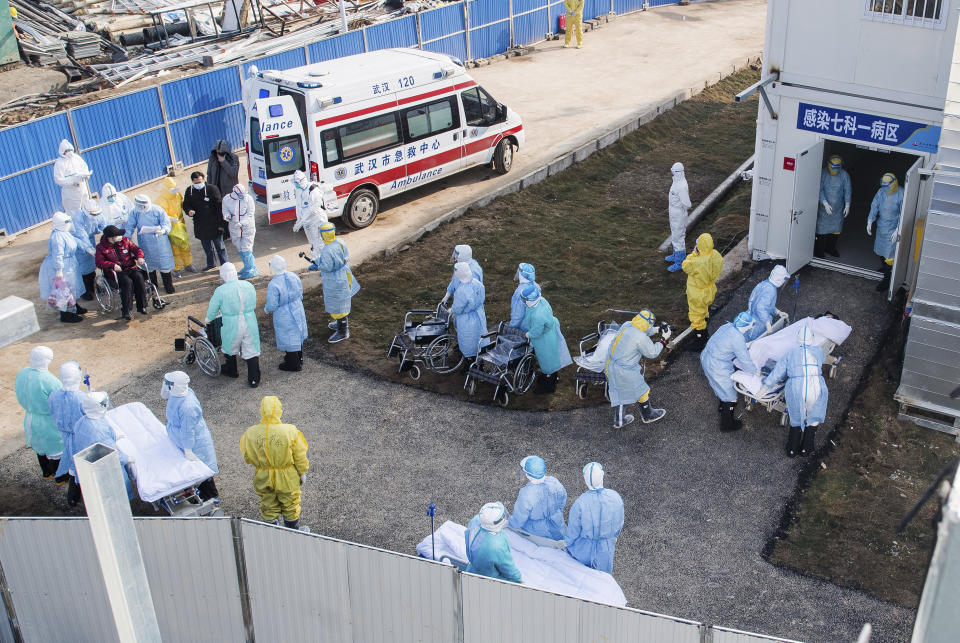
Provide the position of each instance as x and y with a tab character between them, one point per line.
607	623
726	635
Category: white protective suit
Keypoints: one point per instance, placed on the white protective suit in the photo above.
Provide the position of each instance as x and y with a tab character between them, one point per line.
679	206
70	172
116	206
239	210
315	203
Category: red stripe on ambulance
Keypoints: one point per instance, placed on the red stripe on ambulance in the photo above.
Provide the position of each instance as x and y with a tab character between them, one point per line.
394	104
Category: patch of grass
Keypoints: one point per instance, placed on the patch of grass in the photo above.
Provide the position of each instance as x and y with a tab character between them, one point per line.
591	231
844	528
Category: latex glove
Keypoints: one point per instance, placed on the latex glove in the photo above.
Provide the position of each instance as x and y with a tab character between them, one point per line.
445	298
59	273
666	333
303	479
147	229
160	231
869	228
846	210
895	236
827	206
297	226
92	251
190	455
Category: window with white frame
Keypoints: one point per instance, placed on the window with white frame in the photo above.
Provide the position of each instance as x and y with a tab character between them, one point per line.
919	13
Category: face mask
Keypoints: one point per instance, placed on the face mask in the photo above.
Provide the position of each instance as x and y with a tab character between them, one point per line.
111	199
198	184
116	239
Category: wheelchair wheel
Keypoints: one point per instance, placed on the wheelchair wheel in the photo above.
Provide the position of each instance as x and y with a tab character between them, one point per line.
190	357
471	386
415	372
207	357
783	419
503	399
158	303
525	374
443	355
581	389
106	296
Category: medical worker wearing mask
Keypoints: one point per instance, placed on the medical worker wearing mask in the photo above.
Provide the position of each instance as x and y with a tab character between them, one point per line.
66	408
285	301
717	360
835	194
339	284
543	331
93	428
239	212
33	386
625	382
236	302
87	223
763	302
526	275
540	503
463	253
487	548
595	522
703	267
469	316
315	204
152	226
70	172
885	211
117	206
186	427
60	279
679	206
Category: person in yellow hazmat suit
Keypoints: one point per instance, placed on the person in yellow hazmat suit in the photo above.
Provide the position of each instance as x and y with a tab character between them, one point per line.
279	452
171	200
703	268
574	22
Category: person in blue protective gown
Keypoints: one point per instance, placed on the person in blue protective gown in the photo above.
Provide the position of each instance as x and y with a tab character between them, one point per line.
806	391
885	211
285	301
835	194
526	275
462	253
93	428
625	382
33	386
540	503
469	316
187	429
339	284
152	226
717	359
763	302
235	301
543	331
66	408
60	279
595	522
487	548
87	224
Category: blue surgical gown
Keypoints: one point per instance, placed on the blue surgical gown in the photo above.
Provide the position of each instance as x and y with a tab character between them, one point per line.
62	251
285	301
85	230
725	346
339	284
791	366
474	268
539	509
469	317
518	308
156	249
548	343
836	190
33	389
596	519
188	430
763	306
885	210
89	431
489	553
625	382
66	409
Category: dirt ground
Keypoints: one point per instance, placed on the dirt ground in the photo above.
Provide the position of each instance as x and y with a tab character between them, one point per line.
843	527
608	213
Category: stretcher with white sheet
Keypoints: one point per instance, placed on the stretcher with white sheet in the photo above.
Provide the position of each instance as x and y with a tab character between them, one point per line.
164	476
771	346
545	566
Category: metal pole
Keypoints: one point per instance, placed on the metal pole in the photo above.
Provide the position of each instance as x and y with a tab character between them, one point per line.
510	16
466	26
114	536
343	18
166	129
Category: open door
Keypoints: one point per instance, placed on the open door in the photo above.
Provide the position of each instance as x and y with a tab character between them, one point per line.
803	217
283	151
908	214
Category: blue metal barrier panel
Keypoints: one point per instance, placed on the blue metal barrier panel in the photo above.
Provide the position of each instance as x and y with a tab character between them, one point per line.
189	96
348	44
118	117
438	23
193	138
131	161
33	143
284	60
400	32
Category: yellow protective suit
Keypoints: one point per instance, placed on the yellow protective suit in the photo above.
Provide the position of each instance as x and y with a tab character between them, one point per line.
279	452
172	204
703	267
574	21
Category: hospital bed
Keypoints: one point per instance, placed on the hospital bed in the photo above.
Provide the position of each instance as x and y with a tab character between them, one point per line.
546	566
164	476
772	345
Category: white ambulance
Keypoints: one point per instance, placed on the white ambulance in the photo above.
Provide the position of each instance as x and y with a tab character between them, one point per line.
371	126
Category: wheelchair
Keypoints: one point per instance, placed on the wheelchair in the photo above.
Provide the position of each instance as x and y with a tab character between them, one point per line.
108	295
200	345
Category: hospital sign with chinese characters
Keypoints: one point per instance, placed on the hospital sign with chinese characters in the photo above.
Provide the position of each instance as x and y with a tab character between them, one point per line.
869	128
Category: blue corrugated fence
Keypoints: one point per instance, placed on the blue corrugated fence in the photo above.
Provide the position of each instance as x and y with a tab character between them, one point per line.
134	138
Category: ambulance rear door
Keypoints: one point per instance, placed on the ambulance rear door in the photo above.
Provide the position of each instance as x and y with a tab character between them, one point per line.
283	151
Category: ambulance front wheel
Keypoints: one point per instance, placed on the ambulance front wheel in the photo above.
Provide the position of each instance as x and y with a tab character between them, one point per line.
361	209
503	156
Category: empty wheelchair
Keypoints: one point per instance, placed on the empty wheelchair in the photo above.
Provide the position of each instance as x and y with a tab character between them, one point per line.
505	359
425	342
200	345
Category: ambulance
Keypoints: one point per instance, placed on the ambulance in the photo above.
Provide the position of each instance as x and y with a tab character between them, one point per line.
370	126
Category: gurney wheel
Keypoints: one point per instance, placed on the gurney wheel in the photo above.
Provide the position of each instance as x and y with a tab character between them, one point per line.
582	390
415	372
206	356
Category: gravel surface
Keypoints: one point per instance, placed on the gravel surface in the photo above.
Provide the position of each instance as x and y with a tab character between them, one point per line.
700	505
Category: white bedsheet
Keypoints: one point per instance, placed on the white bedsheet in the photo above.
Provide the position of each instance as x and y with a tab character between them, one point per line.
598	359
546	568
160	467
765	351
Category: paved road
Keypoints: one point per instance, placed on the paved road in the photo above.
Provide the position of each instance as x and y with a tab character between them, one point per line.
563	102
700	505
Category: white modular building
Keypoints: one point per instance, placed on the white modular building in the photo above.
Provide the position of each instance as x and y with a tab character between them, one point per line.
869	81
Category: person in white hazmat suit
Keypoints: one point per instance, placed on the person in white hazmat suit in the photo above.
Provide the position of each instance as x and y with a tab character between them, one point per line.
70	172
239	211
679	198
315	203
